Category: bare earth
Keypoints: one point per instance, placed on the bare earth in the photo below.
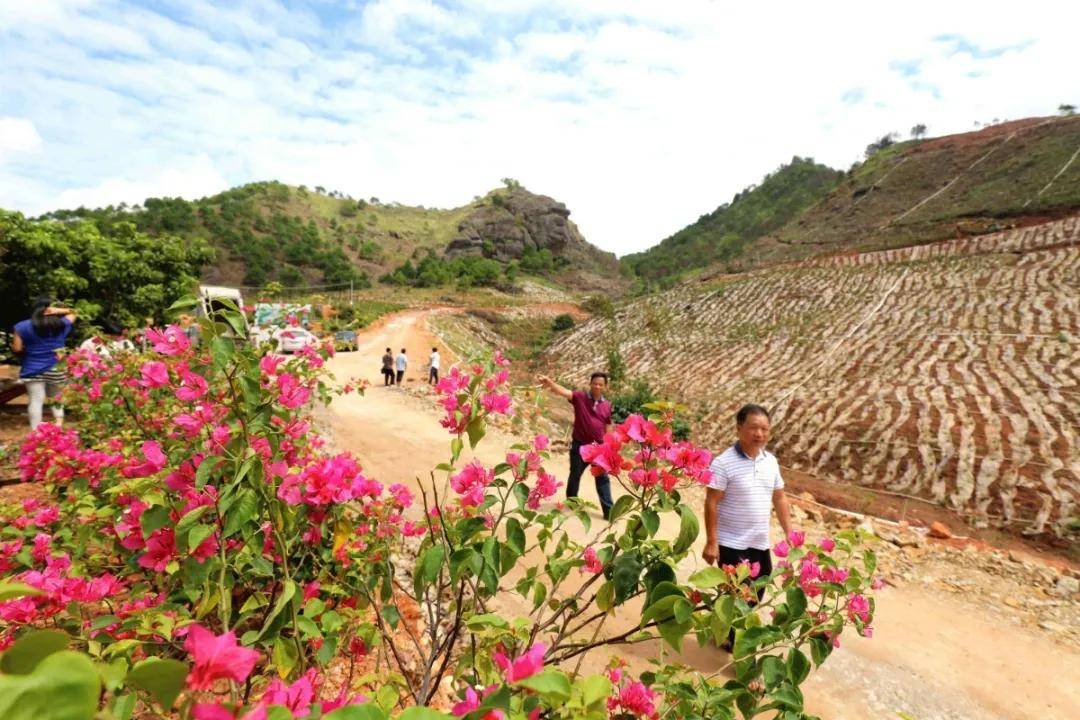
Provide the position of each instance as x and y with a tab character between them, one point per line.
934	655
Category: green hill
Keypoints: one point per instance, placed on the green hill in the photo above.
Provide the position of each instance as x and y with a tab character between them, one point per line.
269	231
910	193
1007	175
725	234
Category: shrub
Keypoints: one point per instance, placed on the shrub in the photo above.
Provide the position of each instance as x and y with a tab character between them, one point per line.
562	322
210	555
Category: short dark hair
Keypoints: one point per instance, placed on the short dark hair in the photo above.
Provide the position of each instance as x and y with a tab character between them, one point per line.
402	349
750	409
387	349
434	349
599	375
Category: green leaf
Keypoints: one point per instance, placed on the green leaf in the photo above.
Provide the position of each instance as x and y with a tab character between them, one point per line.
515	536
222	351
197	535
242	510
163	678
552	684
819	650
798	666
595	689
796	602
153	519
285	655
707	578
427	568
288	590
682	611
475	430
30	649
423	713
622	505
190	519
391	615
605	597
773	671
625	573
456	445
651	520
367	711
123	706
479	622
688	529
12	590
63	686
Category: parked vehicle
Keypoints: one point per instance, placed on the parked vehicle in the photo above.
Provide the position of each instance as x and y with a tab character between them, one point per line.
293	339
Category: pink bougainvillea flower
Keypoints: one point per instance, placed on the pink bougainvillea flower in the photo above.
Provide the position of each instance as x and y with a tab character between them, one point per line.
592	562
211	711
546	486
497	403
781	549
541	442
192	386
471	483
291	393
466	706
154	374
296	697
636	699
796	538
160	550
605	457
269	363
827	544
154	460
170	341
521	667
216	657
858	607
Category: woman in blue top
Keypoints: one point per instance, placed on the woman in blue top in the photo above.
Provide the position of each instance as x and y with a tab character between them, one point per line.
37	340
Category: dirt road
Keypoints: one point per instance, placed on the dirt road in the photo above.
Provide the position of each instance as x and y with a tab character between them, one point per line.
933	657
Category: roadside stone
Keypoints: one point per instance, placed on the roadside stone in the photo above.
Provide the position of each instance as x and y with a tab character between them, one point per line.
1051	626
940	530
1066	586
1013	602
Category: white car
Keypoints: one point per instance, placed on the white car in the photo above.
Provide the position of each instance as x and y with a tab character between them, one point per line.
291	339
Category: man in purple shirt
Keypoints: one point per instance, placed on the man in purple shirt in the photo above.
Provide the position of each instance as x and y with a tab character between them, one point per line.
592	415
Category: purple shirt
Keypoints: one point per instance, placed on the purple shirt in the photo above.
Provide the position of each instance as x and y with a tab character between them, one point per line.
590	417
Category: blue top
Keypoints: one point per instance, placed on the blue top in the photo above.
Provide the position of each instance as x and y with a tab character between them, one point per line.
39	353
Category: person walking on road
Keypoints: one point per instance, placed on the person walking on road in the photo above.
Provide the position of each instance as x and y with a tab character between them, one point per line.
744	488
400	363
37	340
388	368
433	367
592	415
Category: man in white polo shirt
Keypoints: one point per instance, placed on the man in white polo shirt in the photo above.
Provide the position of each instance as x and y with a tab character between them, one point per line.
744	488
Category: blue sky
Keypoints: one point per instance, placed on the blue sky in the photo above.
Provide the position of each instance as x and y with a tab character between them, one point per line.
640	115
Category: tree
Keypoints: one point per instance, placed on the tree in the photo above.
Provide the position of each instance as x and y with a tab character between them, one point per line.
918	131
123	274
880	144
1066	109
511	183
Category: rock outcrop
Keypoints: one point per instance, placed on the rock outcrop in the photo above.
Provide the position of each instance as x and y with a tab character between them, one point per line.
510	222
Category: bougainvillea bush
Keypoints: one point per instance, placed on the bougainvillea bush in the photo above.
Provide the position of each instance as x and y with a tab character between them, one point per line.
202	554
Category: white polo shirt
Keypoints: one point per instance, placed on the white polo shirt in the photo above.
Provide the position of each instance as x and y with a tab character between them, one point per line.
742	517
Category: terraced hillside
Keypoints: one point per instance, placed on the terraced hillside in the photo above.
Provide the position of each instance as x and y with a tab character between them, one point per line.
950	371
1007	175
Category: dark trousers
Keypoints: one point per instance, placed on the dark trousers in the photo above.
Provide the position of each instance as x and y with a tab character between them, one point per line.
577	467
734	556
433	376
388	376
400	375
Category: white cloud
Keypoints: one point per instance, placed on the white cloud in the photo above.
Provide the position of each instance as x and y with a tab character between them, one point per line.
639	115
190	178
17	135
